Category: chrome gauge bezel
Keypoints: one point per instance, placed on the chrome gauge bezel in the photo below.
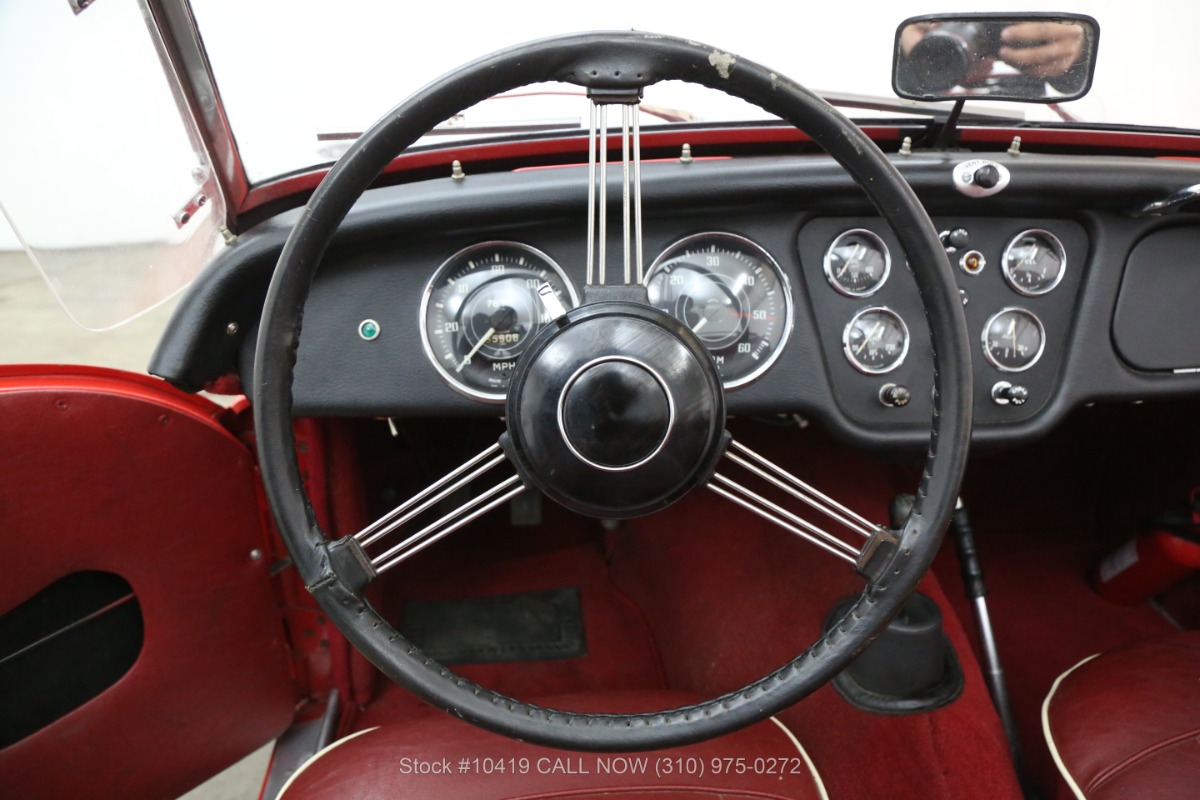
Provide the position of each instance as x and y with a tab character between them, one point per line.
828	263
440	273
987	353
760	252
1058	248
853	359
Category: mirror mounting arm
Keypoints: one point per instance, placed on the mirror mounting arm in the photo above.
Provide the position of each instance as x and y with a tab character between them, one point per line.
946	135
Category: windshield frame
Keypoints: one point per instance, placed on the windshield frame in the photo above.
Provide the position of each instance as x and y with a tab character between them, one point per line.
248	203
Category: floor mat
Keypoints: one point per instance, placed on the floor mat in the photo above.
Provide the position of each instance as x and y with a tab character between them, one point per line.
621	653
527	626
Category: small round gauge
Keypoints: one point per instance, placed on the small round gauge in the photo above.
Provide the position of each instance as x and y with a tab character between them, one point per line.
481	309
1034	262
733	296
857	263
1013	340
876	340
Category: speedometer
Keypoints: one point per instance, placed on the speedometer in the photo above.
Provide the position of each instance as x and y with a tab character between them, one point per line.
481	309
732	295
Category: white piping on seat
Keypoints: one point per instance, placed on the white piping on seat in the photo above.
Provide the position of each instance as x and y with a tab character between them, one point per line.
1058	762
313	758
803	754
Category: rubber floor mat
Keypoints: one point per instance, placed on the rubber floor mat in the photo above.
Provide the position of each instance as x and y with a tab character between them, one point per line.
515	627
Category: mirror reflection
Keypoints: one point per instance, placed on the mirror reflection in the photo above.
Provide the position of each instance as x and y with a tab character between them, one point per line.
1003	58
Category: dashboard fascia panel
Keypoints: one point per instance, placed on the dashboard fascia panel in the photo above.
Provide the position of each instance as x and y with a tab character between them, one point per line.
396	235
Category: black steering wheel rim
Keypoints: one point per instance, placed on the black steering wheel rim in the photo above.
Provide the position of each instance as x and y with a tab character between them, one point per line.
610	61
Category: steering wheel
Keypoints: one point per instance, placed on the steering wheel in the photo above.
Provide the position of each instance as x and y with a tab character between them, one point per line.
613	345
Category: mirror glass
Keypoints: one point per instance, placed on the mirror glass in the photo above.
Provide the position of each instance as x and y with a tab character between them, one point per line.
1039	58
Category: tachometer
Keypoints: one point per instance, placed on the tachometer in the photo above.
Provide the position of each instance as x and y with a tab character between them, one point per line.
481	309
733	296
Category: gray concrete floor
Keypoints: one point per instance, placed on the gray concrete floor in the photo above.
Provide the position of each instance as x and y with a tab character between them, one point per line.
34	329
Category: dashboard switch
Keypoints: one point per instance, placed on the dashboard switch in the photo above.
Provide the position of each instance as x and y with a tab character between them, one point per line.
1005	393
894	395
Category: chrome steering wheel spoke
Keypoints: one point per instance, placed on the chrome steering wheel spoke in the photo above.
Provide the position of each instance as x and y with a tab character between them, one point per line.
631	187
866	557
479	504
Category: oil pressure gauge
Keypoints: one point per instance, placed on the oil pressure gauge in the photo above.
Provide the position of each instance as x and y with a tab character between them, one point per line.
876	340
1013	340
857	263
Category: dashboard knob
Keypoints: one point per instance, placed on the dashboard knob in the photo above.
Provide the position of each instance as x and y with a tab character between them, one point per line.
1005	393
987	176
894	395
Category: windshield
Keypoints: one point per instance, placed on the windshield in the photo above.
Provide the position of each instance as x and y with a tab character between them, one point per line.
298	83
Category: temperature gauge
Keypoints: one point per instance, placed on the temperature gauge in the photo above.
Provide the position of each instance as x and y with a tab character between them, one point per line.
876	340
1013	340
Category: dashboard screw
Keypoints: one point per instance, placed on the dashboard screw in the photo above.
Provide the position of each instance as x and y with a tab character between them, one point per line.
231	329
685	154
456	171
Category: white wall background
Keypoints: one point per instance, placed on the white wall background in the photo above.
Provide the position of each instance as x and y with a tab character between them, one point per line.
80	95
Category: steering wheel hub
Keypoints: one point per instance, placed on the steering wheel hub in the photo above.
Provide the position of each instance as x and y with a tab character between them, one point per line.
615	411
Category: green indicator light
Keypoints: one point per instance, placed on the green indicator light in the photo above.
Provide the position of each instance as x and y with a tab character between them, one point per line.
368	329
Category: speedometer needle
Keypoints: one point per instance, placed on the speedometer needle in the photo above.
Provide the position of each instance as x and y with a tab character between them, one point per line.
482	341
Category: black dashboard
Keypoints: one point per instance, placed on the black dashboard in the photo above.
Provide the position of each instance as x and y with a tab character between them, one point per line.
1055	321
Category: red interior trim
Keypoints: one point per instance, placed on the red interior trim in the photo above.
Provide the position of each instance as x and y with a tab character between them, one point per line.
132	385
573	147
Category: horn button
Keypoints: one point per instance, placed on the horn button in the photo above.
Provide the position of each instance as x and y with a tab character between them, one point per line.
615	411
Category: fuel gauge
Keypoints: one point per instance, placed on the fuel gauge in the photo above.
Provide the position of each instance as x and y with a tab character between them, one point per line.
876	340
1034	262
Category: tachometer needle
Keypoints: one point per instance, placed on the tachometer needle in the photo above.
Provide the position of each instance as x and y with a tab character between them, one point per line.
482	341
696	328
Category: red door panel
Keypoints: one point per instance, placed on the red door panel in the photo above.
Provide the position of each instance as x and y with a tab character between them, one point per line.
114	473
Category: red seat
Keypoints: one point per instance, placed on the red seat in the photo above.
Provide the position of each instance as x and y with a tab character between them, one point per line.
1125	724
763	761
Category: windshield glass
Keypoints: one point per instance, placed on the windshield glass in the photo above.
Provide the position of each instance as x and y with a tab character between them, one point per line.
297	82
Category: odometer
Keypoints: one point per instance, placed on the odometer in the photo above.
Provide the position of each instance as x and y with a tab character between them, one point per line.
481	309
732	295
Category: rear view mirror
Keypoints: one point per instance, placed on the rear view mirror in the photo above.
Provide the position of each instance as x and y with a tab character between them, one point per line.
1036	58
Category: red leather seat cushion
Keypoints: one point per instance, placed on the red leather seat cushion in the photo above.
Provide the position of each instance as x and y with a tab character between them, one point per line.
380	764
1125	724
